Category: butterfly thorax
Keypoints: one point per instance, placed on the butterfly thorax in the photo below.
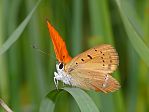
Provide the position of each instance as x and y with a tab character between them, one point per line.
62	75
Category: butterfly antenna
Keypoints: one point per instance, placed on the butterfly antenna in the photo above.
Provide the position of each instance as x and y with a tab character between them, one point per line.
38	49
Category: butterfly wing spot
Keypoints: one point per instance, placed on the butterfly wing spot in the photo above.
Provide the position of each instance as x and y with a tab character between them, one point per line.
109	66
103	85
70	70
106	77
76	63
82	59
89	56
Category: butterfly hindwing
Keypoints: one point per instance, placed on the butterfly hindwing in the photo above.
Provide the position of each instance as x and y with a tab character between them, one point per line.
91	80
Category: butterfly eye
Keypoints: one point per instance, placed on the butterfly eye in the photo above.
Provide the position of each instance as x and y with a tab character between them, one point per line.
60	65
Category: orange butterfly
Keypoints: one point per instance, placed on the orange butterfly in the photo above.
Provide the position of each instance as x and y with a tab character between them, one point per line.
90	70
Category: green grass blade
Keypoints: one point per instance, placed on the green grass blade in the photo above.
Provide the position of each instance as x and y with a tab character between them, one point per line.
16	34
77	27
96	19
100	20
14	57
143	99
84	102
4	93
132	80
133	34
48	103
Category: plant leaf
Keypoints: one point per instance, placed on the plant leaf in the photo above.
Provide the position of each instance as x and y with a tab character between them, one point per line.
83	100
134	33
16	34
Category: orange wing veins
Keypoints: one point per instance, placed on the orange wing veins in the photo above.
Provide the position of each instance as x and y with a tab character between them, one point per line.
59	45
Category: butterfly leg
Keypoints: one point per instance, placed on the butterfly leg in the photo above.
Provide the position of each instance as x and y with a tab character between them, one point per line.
55	80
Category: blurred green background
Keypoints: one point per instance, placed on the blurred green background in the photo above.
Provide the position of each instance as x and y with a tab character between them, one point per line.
26	75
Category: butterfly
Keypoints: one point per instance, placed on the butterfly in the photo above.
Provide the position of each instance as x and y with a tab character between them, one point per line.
90	70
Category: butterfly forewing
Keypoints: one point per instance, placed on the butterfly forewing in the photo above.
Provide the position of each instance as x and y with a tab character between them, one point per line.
102	58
